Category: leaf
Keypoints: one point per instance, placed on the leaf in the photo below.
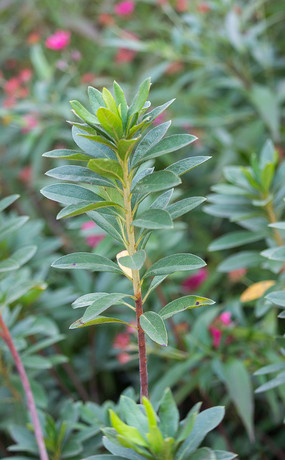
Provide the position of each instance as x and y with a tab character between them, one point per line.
203	454
162	200
110	122
24	254
140	97
119	450
244	259
238	382
153	219
256	290
148	141
169	144
132	414
121	102
175	263
154	327
87	299
156	281
98	320
69	193
185	165
95	98
157	111
129	432
83	113
186	426
91	148
273	383
183	303
8	265
125	147
267	105
157	181
168	415
66	154
81	208
109	101
11	225
5	202
276	367
106	168
78	174
277	297
135	262
86	261
224	455
205	422
234	239
100	305
183	206
107	225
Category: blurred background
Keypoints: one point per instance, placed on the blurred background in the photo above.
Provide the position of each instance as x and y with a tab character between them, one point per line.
223	61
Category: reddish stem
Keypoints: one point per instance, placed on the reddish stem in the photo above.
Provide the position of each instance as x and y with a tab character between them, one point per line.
6	336
142	349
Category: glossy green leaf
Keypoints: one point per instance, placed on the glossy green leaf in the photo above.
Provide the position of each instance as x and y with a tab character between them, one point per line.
94	322
153	219
148	141
83	113
154	327
235	239
130	432
140	97
78	174
157	181
277	297
80	208
69	193
182	166
106	168
100	305
86	261
238	382
168	415
109	101
135	262
110	122
121	102
175	263
5	202
244	259
181	207
183	303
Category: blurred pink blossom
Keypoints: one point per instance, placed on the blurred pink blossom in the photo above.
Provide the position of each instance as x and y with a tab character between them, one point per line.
125	8
122	340
217	327
92	240
236	275
124	358
59	40
25	75
125	55
193	282
159	119
30	122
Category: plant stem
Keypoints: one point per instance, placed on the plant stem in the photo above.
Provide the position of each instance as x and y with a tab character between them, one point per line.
136	283
6	336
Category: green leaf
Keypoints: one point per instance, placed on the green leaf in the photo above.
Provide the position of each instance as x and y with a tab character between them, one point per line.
169	144
119	450
8	265
148	141
276	367
66	154
121	102
88	299
81	208
78	174
203	454
132	414
183	303
86	261
277	297
108	225
183	206
158	110
280	225
235	239
95	98
91	148
162	200
267	176
100	305
110	122
175	263
130	432
157	181
109	101
244	259
5	202
168	415
97	320
150	413
135	262
273	383
238	382
24	254
186	426
125	147
154	327
140	97
224	455
157	280
182	166
205	422
69	193
153	219
83	113
12	225
106	168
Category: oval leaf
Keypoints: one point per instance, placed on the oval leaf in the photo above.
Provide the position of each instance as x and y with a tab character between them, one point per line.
175	263
154	327
86	261
184	303
154	219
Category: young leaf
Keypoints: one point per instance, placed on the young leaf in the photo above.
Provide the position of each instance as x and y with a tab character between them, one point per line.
183	303
109	101
83	113
175	263
95	98
153	219
125	147
106	168
110	122
121	102
154	327
127	431
141	97
86	261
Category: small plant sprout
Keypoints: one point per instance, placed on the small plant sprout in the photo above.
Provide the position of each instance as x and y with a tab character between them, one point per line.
117	186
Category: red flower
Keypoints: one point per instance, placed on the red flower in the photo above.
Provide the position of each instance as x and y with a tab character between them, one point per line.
125	55
92	240
219	324
193	282
122	341
203	8
59	40
123	358
125	8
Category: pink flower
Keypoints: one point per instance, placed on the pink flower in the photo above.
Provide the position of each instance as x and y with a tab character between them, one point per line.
92	240
123	358
25	75
125	55
125	8
216	335
236	275
193	282
59	40
122	340
30	122
219	324
159	119
25	175
225	318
